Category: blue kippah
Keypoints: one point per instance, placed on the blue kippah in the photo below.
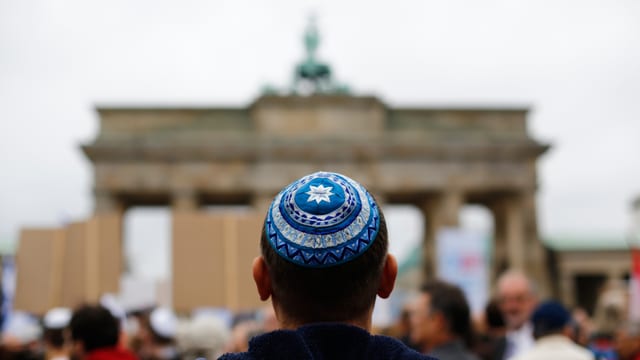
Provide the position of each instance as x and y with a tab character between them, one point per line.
321	220
550	315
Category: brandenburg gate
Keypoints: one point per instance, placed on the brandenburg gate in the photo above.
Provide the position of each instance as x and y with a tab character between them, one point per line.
437	159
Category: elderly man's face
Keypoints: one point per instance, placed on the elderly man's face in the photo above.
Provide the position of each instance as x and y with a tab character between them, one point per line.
516	301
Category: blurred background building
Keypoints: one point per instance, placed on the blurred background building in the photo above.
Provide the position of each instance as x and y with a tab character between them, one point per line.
153	165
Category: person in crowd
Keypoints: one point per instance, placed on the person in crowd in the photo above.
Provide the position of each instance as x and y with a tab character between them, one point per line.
95	335
628	342
324	259
241	333
110	302
157	335
55	324
21	337
133	325
401	329
492	331
203	337
582	326
517	300
552	330
609	318
441	322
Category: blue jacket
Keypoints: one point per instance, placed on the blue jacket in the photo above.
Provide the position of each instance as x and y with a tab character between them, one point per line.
325	342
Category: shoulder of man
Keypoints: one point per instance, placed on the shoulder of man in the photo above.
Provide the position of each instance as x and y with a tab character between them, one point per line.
583	353
236	356
385	347
499	348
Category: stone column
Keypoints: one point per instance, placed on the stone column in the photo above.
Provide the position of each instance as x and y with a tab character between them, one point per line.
107	202
535	255
184	200
615	275
439	211
103	244
261	201
514	232
516	243
509	229
567	287
499	259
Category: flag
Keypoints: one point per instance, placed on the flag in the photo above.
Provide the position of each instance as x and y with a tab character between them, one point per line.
634	286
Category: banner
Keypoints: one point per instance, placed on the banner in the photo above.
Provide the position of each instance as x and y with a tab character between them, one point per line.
8	288
462	260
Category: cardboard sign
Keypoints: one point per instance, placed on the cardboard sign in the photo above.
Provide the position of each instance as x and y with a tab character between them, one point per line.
212	256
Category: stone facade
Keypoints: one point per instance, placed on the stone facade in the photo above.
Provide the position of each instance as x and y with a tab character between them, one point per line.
584	270
435	158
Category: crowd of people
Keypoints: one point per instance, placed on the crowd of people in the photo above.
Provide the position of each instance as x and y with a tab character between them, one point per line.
435	321
516	324
324	261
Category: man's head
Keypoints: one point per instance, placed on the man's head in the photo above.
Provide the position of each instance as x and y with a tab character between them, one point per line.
440	314
161	328
493	318
55	323
324	252
516	298
550	318
93	327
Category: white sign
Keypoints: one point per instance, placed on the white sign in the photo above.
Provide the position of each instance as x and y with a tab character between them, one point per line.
462	258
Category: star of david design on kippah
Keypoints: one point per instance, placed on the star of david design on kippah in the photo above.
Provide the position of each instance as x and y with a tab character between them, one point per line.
321	220
319	193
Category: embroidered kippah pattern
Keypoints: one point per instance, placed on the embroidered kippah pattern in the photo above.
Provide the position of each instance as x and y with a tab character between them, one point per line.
321	220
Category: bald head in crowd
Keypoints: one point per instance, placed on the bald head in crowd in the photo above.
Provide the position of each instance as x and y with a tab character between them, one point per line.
516	298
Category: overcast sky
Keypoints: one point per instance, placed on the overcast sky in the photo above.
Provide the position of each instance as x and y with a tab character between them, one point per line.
576	64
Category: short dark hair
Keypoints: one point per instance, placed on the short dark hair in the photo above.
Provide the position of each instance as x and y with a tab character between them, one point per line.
451	302
54	337
95	327
339	293
493	315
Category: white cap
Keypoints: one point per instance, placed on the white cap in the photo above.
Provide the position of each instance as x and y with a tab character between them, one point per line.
57	318
224	315
110	302
204	332
164	322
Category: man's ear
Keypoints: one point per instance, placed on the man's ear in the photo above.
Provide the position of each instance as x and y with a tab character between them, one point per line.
388	278
261	277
